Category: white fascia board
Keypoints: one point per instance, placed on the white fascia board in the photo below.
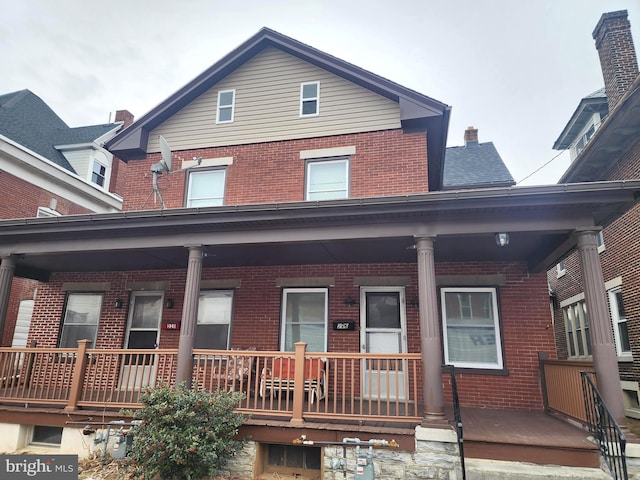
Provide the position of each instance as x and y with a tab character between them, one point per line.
37	170
104	138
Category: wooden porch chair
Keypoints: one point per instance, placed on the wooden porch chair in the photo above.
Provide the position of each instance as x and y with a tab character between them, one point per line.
235	371
282	377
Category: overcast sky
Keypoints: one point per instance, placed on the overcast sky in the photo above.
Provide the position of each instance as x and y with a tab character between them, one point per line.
514	69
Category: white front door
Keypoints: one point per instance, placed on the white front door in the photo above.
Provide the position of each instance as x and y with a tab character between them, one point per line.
145	315
383	330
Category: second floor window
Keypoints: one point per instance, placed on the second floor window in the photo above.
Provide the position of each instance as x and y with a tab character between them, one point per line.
206	189
309	99
226	106
327	179
98	173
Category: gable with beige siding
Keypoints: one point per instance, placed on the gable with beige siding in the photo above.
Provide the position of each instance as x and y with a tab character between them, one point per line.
267	107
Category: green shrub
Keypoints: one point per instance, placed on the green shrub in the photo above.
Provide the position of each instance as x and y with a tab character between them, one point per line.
184	433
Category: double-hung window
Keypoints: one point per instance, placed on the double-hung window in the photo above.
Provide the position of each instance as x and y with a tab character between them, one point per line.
619	321
304	318
81	318
471	328
206	188
577	327
213	330
98	173
226	106
309	99
327	179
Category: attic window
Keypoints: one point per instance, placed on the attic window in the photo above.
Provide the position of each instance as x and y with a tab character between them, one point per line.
98	173
226	106
309	99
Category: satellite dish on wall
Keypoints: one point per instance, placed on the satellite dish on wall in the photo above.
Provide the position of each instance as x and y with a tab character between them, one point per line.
164	165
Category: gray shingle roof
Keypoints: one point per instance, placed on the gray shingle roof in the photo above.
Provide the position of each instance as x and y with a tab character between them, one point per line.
28	121
475	165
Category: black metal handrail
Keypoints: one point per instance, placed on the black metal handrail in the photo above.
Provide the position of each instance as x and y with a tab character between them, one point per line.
604	429
457	417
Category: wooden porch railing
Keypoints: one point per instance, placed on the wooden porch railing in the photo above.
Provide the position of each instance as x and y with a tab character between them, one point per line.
384	387
562	387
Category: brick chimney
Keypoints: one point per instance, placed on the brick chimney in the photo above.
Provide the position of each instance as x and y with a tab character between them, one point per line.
124	116
617	54
470	136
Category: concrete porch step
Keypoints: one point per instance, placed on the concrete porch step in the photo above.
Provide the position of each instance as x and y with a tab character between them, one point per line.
478	469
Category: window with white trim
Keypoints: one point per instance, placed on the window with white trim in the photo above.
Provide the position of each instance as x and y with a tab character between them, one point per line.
206	188
81	317
561	269
576	324
309	99
304	318
600	241
213	329
44	212
619	322
327	179
98	173
471	328
226	106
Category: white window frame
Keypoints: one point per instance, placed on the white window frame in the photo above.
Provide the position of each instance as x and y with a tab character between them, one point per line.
46	212
228	321
232	106
66	323
213	198
576	327
561	269
304	99
325	161
283	319
600	242
105	178
499	364
616	320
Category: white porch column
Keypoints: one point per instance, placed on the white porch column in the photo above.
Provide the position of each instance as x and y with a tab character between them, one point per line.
603	347
433	397
7	268
189	315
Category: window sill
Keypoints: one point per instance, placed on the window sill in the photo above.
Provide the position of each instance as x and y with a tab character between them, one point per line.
625	358
502	372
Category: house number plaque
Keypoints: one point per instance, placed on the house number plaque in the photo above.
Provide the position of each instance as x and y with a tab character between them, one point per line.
344	325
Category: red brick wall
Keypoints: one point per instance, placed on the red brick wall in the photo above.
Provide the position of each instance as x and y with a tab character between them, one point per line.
387	162
621	257
21	199
525	317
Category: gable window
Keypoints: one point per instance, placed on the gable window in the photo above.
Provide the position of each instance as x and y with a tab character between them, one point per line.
561	269
309	99
98	173
471	328
81	317
304	318
327	179
576	324
226	106
206	188
619	322
214	319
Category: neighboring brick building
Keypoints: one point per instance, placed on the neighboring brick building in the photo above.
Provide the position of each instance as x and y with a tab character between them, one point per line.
604	138
40	176
299	198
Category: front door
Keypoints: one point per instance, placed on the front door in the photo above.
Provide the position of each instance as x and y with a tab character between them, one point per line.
383	330
145	314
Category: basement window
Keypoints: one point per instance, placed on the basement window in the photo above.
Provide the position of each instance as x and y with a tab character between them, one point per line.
295	460
44	435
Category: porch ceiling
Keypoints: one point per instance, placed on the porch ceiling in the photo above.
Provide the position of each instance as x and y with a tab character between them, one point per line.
539	220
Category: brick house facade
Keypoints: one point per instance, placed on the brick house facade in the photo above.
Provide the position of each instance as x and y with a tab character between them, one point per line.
619	252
